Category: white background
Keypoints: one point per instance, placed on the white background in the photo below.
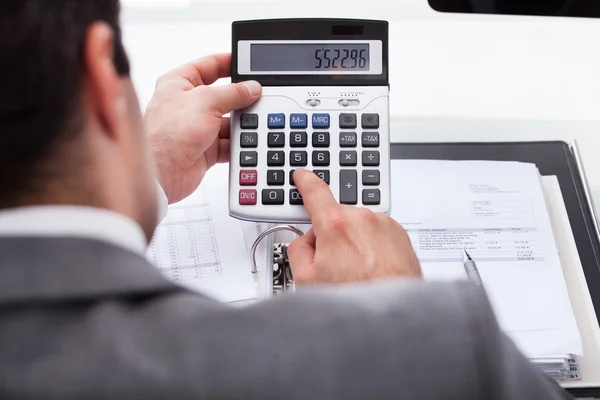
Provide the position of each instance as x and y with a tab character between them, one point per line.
453	77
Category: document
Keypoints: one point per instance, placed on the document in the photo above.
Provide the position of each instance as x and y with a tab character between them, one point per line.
497	212
199	246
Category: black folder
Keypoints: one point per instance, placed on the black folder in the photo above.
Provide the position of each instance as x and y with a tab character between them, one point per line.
552	158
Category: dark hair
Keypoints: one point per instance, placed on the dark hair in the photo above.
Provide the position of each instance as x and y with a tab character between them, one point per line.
41	70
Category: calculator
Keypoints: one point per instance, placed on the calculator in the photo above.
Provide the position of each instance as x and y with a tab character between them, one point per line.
324	108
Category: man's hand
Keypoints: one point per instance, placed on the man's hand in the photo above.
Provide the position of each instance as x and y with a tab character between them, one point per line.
184	120
347	244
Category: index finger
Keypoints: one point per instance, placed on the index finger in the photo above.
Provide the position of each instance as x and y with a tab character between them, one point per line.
204	71
318	199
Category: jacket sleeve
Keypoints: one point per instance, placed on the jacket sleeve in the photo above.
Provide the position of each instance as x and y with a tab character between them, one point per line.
395	339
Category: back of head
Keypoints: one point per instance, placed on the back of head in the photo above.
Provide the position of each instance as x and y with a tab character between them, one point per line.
59	132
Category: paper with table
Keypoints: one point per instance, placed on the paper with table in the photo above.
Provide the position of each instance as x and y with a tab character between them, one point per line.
199	246
497	211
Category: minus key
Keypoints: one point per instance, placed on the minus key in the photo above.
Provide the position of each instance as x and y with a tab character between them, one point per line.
371	178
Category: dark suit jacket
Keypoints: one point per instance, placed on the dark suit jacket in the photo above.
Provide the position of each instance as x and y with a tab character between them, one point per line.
81	319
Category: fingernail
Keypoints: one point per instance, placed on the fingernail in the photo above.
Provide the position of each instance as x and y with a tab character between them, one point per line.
253	87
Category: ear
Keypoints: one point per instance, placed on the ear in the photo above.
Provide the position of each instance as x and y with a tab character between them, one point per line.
104	91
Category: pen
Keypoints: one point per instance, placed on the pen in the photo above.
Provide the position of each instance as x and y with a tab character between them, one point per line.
471	269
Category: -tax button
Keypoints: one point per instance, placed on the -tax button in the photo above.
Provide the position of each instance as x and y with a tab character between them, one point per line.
248	178
248	197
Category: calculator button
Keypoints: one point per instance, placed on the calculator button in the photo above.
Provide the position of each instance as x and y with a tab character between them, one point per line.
249	140
276	121
249	121
370	158
348	121
348	139
324	175
298	158
298	121
370	139
248	177
292	177
320	159
275	158
273	196
247	197
348	159
348	186
296	198
370	121
248	158
320	121
276	139
275	178
370	178
321	139
371	197
298	139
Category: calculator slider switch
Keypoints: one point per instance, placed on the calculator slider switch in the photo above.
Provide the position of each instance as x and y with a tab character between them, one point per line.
349	103
313	102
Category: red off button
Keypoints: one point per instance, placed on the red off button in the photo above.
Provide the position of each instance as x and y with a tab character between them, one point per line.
248	197
248	178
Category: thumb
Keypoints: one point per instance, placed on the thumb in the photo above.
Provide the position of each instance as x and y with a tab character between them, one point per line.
301	254
235	96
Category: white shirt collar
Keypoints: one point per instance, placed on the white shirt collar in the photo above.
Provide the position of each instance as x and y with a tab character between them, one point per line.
74	221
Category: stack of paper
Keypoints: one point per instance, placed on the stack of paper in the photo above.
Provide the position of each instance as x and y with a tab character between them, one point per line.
497	212
199	246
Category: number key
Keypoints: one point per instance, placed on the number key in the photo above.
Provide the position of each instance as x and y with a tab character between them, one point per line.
320	159
275	158
323	174
320	139
298	139
273	196
292	177
275	178
276	139
296	198
249	140
298	158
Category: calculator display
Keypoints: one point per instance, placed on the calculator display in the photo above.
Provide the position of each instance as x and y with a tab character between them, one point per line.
307	57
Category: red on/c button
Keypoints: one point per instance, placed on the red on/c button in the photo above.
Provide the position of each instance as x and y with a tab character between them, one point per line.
248	177
248	197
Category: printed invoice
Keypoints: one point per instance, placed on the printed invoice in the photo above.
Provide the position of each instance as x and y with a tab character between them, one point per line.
497	212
